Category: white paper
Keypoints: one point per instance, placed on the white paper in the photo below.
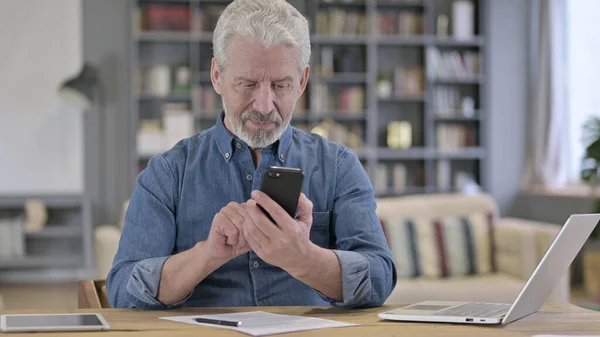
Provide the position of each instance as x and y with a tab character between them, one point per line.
260	323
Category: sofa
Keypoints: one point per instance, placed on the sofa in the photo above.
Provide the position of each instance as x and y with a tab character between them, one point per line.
507	250
503	251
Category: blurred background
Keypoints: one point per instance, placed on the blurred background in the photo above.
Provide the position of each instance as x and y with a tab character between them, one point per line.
492	100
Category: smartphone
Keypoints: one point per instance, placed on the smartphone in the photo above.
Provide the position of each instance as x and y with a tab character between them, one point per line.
283	185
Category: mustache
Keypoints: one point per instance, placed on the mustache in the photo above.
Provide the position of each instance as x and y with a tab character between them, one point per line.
272	117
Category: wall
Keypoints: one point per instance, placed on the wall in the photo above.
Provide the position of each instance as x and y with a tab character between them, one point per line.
40	137
506	97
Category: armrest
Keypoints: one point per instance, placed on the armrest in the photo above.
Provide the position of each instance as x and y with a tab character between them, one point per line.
107	239
520	245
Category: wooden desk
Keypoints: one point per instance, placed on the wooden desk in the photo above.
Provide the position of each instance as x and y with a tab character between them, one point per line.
552	319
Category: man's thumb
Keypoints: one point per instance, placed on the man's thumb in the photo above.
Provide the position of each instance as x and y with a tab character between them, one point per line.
304	208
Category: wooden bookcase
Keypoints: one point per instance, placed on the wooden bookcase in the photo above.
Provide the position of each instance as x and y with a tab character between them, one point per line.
370	52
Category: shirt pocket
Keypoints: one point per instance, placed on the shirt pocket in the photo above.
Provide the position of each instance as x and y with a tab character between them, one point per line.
319	231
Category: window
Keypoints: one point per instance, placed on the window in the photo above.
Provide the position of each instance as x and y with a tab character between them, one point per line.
583	75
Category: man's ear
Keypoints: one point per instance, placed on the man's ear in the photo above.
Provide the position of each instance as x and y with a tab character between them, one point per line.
216	76
304	80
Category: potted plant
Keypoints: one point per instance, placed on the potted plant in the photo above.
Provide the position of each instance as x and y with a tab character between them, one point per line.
591	173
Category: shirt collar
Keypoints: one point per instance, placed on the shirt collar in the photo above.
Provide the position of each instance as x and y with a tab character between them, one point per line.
226	141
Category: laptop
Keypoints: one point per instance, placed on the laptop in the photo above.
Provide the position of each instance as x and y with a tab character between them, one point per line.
551	268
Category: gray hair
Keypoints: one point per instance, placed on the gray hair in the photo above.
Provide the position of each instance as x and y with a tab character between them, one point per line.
269	22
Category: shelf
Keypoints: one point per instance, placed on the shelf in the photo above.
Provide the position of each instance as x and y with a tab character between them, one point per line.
51	201
362	154
457	119
472	80
158	36
412	5
341	117
432	40
454	43
455	115
339	39
178	2
56	232
342	78
164	37
466	153
212	2
385	153
208	119
394	41
185	2
205	37
416	153
422	153
42	261
403	99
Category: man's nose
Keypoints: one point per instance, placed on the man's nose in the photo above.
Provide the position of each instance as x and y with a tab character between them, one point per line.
263	101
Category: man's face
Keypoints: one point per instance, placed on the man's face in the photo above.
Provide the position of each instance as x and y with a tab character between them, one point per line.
259	89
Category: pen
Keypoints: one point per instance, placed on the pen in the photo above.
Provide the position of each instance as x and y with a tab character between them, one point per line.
217	321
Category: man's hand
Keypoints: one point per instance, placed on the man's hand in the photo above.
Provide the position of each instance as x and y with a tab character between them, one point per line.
285	243
226	239
182	272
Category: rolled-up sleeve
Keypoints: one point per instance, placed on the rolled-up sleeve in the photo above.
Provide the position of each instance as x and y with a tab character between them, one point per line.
368	269
134	278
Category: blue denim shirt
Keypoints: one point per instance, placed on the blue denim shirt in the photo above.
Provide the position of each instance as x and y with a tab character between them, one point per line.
180	191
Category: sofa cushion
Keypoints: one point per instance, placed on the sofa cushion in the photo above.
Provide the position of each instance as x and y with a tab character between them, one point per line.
107	239
436	247
484	288
436	205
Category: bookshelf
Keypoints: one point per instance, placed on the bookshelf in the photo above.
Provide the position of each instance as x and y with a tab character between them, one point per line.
62	250
395	80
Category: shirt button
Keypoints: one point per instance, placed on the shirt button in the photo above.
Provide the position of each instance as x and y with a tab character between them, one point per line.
261	303
255	265
238	145
227	155
249	177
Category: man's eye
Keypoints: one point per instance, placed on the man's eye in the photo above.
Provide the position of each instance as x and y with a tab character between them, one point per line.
249	85
280	86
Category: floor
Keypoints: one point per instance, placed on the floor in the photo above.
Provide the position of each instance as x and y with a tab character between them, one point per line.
64	296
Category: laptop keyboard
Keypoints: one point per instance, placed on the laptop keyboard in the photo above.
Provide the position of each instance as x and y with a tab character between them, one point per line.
475	310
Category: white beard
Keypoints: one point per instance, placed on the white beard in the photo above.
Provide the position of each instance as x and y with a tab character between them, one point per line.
260	138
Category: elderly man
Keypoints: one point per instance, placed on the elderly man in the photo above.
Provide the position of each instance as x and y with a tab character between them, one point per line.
194	232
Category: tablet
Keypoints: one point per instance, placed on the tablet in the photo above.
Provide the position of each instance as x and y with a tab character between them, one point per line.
52	322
